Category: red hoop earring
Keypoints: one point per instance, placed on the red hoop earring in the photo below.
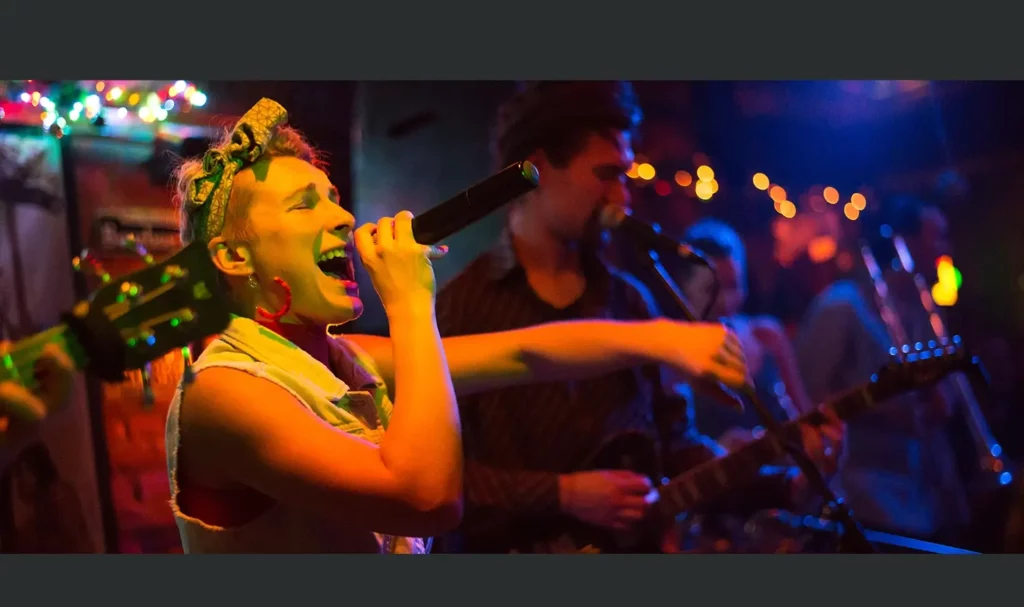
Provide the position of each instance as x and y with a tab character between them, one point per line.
287	302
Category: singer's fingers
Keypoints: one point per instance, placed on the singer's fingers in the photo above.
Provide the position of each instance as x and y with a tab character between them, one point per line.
435	252
730	360
730	376
385	232
731	343
366	246
403	227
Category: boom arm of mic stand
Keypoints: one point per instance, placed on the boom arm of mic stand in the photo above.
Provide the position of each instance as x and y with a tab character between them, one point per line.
851	534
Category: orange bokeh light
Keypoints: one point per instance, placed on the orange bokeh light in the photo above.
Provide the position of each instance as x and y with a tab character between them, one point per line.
777	193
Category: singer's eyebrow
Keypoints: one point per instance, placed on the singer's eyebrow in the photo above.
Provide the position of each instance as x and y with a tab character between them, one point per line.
333	195
303	191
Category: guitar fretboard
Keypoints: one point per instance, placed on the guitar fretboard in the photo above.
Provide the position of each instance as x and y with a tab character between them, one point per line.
712	479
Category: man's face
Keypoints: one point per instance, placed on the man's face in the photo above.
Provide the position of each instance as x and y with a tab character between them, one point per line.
571	197
732	288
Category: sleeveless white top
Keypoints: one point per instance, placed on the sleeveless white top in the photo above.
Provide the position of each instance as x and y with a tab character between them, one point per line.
360	407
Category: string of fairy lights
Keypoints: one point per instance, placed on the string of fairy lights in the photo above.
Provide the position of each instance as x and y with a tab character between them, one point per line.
819	200
59	106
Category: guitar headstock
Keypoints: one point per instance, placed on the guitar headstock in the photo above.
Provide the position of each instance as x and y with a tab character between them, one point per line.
136	319
919	366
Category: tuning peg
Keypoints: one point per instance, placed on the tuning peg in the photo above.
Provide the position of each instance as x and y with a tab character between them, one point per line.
172	272
86	261
129	290
132	244
147	386
186	356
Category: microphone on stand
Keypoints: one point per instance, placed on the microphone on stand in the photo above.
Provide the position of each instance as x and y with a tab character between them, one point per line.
621	219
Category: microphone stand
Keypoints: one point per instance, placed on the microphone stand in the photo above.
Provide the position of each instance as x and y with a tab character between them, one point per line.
852	538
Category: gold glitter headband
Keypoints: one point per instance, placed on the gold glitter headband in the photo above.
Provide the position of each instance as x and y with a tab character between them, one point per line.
211	190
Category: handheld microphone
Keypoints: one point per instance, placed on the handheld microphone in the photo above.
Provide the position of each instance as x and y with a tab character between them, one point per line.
475	203
617	218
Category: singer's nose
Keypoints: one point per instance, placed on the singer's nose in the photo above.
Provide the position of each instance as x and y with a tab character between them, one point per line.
341	223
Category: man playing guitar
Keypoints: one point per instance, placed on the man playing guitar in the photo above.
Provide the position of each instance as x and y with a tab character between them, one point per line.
527	448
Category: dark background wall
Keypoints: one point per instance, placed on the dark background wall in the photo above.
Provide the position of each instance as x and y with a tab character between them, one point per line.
414	145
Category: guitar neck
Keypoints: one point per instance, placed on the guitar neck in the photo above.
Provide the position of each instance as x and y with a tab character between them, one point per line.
714	478
18	365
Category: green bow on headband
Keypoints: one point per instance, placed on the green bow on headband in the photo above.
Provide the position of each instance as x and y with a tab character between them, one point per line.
211	190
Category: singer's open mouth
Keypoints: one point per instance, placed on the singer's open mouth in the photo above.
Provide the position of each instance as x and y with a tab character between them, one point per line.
337	264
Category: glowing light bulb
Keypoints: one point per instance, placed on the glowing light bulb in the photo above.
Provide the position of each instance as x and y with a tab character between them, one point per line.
632	171
198	99
646	171
122	112
705	173
703	190
25	97
851	212
761	181
777	193
787	209
683	178
831	195
858	201
115	93
169	104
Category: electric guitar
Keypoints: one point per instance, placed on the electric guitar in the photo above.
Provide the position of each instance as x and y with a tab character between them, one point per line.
716	478
132	321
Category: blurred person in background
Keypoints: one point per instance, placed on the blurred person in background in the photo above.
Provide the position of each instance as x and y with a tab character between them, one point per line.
900	472
770	357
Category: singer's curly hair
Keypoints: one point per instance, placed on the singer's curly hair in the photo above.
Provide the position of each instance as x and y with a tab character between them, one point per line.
558	117
286	141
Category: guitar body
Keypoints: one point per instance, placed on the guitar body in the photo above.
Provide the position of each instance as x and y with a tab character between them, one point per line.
731	484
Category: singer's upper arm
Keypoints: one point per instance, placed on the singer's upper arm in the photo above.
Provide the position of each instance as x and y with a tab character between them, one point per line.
284	451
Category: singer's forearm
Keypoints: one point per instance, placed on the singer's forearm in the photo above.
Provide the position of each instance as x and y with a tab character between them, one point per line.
549	352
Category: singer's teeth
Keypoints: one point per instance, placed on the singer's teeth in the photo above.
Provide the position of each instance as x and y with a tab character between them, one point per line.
339	252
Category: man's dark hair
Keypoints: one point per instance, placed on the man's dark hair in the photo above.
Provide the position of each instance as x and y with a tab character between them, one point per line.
558	117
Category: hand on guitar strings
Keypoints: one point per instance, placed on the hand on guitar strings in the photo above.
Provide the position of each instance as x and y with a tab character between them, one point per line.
612	499
825	443
21	409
